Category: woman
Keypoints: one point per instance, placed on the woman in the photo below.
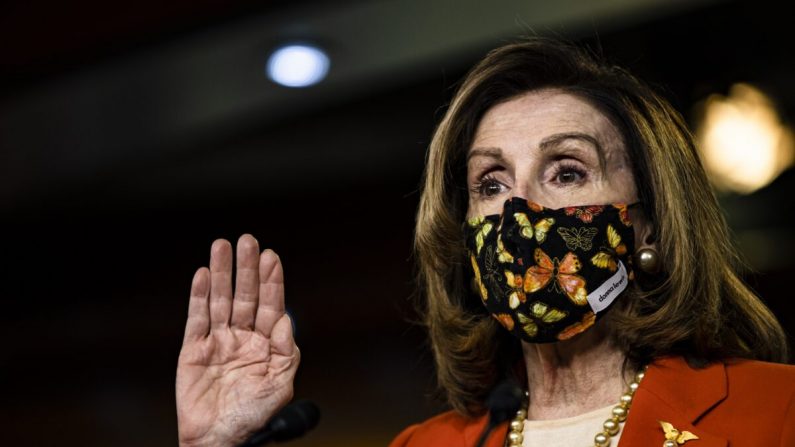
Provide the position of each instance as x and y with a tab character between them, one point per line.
568	238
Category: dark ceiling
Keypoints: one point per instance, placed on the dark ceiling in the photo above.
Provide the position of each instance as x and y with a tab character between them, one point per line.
44	39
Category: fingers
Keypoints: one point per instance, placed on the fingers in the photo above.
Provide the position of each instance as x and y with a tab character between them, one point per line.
220	284
282	336
244	306
259	288
198	324
271	292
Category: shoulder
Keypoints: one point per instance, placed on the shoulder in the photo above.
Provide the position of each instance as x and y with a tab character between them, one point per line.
759	395
724	389
738	369
771	373
771	383
449	428
735	376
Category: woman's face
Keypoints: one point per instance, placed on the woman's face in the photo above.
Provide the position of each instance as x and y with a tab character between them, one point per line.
550	147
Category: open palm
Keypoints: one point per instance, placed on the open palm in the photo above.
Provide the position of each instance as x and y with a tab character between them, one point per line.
238	357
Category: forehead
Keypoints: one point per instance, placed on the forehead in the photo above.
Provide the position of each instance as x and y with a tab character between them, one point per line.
530	117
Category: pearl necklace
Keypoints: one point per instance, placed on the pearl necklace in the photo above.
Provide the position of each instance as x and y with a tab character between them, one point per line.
610	428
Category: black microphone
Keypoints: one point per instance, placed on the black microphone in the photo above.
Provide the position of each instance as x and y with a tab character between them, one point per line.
503	403
291	422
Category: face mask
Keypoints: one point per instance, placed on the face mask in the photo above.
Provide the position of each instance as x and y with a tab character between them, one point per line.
547	275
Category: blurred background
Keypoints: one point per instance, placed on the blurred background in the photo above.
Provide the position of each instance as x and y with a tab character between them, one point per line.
134	134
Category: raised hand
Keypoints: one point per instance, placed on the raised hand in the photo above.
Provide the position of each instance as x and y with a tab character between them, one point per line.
238	357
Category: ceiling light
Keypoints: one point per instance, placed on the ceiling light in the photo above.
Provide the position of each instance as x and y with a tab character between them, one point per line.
298	65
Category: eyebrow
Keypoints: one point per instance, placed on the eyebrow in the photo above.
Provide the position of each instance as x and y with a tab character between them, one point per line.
547	143
558	138
489	152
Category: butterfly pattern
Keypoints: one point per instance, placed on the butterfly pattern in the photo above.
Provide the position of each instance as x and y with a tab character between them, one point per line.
587	321
623	213
482	229
505	320
575	238
533	268
536	208
584	213
490	273
607	257
503	255
516	293
538	230
564	273
484	293
540	313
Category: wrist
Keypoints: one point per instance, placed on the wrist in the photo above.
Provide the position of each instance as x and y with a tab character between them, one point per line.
212	440
205	441
196	443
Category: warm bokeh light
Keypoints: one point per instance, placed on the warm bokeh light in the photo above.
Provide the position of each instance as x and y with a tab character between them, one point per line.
742	141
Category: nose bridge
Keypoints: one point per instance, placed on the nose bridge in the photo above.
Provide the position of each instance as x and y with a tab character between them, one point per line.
522	190
525	185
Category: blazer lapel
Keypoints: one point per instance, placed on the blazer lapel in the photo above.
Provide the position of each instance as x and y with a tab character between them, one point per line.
674	392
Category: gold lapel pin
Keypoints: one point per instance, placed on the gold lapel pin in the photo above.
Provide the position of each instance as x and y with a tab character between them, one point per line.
674	437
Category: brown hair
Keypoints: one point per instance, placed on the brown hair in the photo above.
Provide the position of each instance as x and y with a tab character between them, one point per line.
699	307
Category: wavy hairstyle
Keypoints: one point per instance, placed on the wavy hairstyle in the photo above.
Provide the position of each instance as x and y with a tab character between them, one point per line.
699	307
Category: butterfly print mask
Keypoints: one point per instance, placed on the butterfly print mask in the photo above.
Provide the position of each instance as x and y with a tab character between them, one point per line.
547	275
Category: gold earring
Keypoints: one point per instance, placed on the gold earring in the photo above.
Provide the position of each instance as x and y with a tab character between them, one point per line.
648	260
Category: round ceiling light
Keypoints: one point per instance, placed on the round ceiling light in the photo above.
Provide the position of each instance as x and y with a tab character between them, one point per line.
298	65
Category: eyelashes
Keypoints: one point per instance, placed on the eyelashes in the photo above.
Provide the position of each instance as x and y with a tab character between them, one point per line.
487	186
562	174
567	172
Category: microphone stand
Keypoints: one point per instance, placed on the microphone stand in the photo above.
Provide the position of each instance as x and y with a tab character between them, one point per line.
290	422
503	402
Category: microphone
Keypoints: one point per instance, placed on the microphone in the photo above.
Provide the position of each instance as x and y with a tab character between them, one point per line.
503	403
289	423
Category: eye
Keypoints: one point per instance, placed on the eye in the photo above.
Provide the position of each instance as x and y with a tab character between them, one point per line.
488	186
568	174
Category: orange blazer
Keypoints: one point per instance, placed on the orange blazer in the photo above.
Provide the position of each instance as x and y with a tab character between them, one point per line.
740	403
